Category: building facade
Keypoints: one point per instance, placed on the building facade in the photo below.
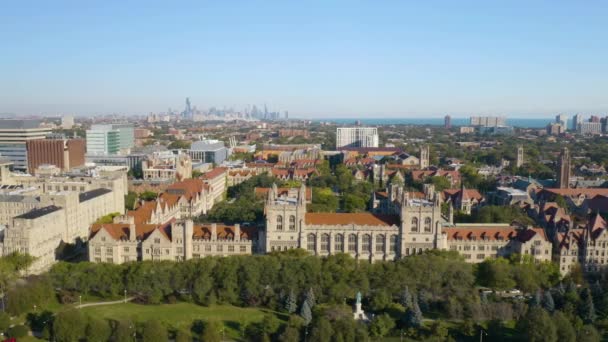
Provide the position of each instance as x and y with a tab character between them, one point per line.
208	151
357	137
563	169
14	134
63	153
103	140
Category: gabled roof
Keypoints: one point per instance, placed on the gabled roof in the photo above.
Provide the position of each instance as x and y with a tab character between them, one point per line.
336	219
218	171
223	232
121	230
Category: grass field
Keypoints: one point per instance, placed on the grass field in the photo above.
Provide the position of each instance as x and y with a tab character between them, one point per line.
181	315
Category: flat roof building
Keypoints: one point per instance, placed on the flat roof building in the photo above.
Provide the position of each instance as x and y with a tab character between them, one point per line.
13	137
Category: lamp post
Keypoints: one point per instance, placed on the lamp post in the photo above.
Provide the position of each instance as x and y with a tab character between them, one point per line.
80	301
481	332
125	295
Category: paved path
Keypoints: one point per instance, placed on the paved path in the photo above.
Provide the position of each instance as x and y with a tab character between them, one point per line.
104	303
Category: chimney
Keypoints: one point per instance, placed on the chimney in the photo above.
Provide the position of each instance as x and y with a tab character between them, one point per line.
213	231
132	232
237	232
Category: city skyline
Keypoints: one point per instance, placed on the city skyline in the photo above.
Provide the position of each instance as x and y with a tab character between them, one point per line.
339	60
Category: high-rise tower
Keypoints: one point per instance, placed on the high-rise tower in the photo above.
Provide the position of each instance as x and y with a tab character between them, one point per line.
425	156
520	156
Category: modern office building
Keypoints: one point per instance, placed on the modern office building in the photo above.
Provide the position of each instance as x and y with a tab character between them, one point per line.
126	134
488	121
63	153
589	128
13	137
103	139
562	119
208	151
357	137
576	121
447	122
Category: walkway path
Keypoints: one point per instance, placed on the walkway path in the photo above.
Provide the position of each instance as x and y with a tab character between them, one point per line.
104	303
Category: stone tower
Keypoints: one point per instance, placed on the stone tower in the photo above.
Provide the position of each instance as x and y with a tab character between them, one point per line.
425	157
421	223
284	218
563	169
520	156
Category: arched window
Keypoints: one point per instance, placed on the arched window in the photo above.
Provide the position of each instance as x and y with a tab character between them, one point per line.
352	243
407	251
311	242
393	244
367	243
292	222
428	225
380	243
339	243
279	222
325	243
414	224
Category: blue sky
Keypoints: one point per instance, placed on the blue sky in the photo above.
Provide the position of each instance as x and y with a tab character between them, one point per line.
313	58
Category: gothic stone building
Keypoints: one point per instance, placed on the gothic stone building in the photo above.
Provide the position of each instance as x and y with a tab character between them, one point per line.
408	226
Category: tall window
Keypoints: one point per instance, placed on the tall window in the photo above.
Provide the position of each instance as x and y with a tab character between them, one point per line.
339	243
414	224
367	243
279	222
292	222
311	242
325	243
393	244
427	225
352	243
380	243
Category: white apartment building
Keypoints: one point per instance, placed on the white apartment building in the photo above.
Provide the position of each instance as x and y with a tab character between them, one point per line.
357	137
103	139
589	128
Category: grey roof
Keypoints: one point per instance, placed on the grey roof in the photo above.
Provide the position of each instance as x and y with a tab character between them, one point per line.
39	212
85	196
19	124
19	198
204	146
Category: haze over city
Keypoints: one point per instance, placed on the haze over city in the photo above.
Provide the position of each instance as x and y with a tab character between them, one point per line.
316	60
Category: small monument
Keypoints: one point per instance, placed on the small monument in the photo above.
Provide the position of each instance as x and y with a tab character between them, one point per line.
359	314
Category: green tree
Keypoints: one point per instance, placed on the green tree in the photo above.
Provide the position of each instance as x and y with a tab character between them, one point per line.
381	325
548	303
588	333
413	316
98	330
212	331
321	331
565	330
148	195
495	273
587	308
537	326
17	331
69	325
182	336
323	200
440	183
153	330
291	304
124	331
5	321
354	203
306	312
406	298
106	219
130	200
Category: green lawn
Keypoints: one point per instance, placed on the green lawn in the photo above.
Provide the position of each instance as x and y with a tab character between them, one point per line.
181	315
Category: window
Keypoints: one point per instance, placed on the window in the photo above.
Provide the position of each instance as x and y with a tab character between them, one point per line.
208	248
125	259
110	260
220	248
109	250
97	259
414	224
480	256
230	249
380	243
325	243
156	240
279	222
352	243
339	243
292	222
243	249
428	225
126	249
393	244
310	242
407	251
97	250
180	250
367	243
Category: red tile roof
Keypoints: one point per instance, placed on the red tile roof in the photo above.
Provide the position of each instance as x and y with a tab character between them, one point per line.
218	171
335	219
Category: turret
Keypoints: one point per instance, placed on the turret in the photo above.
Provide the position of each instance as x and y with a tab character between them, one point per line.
213	232
237	232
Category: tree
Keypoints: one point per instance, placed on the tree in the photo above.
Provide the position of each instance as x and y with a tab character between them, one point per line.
495	273
414	315
98	330
291	304
124	331
130	200
561	201
548	303
406	298
211	331
69	325
148	195
588	334
5	321
587	308
323	200
310	298
153	330
106	219
354	203
382	325
440	183
321	331
17	331
537	326
306	312
182	336
565	330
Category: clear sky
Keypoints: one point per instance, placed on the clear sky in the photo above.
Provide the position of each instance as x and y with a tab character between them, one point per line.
313	58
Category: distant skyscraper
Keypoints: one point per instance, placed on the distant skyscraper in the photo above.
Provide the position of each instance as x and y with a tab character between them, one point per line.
594	118
562	119
356	137
187	113
488	121
563	169
520	156
577	120
447	122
